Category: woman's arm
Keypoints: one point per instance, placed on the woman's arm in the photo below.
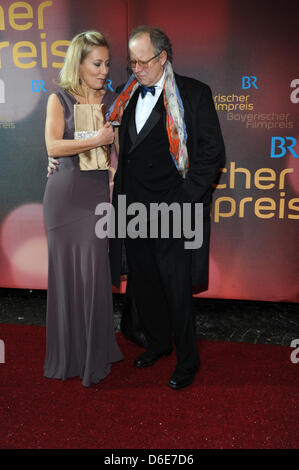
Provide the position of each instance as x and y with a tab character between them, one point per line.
54	129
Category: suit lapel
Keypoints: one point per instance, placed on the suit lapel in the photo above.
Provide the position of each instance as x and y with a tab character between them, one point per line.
153	119
128	125
125	122
132	127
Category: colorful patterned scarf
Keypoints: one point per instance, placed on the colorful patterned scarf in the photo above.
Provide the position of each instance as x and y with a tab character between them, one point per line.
175	124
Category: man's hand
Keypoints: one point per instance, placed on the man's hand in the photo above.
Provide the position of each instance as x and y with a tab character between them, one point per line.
52	165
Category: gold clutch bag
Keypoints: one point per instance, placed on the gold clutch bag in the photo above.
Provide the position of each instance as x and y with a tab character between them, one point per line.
89	119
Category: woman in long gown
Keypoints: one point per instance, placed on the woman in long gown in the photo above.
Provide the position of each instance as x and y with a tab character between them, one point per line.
80	325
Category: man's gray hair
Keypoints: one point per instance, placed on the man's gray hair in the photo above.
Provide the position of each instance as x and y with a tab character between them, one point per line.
159	39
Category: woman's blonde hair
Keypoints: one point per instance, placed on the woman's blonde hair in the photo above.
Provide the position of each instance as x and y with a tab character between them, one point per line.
79	48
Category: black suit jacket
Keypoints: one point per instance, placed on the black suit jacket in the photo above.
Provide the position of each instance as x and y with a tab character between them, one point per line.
206	156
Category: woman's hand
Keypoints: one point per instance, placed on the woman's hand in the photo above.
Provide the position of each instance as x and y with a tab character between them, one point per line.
105	135
52	165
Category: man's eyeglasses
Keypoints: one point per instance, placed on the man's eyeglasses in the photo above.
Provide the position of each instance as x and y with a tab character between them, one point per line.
142	63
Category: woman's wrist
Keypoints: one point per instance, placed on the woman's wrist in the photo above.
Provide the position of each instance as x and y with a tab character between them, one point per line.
92	142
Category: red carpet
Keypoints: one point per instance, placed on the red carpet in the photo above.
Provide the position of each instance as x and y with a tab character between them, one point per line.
244	397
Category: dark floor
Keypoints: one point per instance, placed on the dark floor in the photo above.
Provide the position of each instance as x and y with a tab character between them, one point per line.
216	319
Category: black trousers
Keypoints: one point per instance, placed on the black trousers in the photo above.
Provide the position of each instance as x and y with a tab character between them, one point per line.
160	273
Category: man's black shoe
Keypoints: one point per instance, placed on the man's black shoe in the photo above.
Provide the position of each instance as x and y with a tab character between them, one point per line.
182	378
148	358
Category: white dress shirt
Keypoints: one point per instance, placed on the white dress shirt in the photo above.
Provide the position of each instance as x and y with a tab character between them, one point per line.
145	105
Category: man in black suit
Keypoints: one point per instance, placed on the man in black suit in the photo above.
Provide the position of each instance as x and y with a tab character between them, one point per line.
162	271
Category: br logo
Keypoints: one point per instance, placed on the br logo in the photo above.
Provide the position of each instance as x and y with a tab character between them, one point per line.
248	82
38	85
280	145
108	84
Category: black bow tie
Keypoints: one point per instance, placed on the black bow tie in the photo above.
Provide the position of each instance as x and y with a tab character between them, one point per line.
145	89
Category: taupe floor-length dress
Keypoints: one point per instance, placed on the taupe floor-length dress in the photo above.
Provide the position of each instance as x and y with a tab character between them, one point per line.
80	325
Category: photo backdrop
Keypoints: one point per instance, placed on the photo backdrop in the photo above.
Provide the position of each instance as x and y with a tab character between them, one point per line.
247	53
